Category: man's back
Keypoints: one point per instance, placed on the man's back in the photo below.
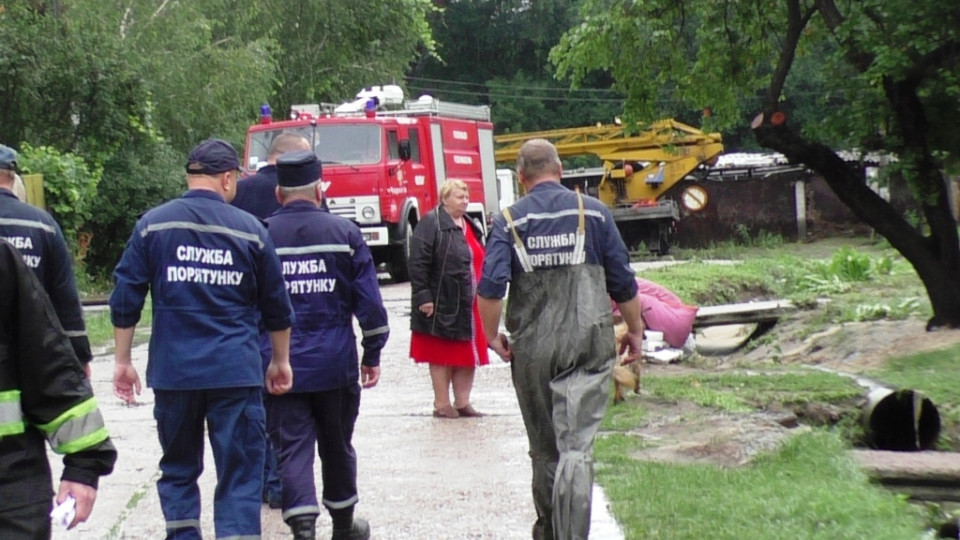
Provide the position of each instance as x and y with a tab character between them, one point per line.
331	278
208	267
40	241
256	194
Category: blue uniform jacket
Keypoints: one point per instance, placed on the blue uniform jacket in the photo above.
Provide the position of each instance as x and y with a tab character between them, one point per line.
40	240
331	277
257	194
546	219
210	268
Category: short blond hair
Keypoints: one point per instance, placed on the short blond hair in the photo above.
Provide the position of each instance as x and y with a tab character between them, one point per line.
447	188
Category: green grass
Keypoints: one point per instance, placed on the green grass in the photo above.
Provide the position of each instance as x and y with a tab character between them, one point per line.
808	490
744	392
100	329
845	285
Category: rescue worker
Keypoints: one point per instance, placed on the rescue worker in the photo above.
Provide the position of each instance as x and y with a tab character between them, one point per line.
210	268
44	395
564	259
40	240
331	278
258	195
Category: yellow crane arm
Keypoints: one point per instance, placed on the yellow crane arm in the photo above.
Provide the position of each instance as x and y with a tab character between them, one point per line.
640	166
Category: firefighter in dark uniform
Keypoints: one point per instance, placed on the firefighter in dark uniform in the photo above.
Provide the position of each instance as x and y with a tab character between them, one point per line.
44	395
210	269
40	240
331	278
257	194
564	259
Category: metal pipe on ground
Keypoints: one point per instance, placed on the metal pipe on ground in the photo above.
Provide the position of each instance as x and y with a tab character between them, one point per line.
900	420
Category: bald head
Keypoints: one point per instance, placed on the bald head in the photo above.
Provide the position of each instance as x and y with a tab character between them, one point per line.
286	142
538	161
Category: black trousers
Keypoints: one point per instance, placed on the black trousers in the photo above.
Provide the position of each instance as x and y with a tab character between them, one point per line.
28	522
303	425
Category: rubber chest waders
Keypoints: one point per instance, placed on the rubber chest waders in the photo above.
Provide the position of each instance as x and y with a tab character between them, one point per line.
561	334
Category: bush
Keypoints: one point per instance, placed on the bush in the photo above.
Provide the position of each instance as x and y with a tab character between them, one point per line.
70	190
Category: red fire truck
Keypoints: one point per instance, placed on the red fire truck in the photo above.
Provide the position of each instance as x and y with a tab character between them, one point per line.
385	158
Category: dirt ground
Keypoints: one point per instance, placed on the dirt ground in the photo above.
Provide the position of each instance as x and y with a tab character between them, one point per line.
686	433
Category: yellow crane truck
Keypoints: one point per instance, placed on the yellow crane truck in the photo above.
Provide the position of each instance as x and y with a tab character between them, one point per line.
639	169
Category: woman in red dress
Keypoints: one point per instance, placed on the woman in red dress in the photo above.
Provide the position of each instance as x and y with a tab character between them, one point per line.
446	259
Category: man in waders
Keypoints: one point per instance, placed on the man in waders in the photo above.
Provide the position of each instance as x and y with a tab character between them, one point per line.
564	259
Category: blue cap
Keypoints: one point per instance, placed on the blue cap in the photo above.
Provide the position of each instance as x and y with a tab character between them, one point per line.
213	156
298	168
8	158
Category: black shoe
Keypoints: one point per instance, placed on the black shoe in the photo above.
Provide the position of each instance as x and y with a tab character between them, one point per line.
303	527
359	531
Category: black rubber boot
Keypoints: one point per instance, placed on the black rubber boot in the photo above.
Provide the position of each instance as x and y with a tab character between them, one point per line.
360	530
304	527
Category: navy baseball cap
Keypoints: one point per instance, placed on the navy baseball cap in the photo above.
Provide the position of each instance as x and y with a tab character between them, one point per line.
298	168
8	158
213	156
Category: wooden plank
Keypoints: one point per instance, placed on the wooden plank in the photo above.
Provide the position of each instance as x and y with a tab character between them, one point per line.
743	313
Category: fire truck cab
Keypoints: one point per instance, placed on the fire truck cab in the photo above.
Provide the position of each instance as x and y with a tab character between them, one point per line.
385	158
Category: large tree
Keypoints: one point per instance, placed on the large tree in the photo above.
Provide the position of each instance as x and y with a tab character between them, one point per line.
886	73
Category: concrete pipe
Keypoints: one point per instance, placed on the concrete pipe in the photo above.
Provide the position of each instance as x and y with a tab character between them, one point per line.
901	420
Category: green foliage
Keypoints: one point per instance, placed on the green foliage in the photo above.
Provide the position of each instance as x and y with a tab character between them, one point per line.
69	185
808	489
135	179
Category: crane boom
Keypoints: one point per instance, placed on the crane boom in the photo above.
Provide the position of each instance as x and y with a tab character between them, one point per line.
638	168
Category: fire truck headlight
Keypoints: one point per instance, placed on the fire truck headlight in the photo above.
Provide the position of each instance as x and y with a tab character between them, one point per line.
368	212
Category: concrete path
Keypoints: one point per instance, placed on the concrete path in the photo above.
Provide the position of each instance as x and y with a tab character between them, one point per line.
419	477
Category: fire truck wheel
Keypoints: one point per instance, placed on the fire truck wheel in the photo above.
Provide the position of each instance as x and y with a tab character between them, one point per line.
399	257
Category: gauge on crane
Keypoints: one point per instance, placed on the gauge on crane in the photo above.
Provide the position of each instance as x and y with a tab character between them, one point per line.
694	198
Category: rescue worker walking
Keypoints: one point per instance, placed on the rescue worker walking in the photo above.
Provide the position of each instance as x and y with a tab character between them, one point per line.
44	395
210	268
331	278
40	240
258	195
564	259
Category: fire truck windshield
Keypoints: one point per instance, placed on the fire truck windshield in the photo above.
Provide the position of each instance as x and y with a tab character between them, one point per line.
350	144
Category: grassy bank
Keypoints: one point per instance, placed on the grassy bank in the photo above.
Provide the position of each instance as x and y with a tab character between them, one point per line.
808	488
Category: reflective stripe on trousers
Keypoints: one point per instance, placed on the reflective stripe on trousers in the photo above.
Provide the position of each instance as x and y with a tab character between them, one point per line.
561	334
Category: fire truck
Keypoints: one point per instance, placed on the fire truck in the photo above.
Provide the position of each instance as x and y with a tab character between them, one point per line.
641	172
384	159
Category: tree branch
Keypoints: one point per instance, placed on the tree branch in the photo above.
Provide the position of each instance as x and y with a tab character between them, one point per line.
832	17
795	24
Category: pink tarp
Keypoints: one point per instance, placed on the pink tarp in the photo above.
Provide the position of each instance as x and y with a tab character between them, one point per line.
664	312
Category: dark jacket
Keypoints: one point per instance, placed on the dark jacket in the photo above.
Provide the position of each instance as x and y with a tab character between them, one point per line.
44	395
257	194
441	271
331	279
40	240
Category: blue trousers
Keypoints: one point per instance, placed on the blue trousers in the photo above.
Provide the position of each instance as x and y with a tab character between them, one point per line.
235	422
299	422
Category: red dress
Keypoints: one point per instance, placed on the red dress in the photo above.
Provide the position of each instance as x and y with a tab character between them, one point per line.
448	352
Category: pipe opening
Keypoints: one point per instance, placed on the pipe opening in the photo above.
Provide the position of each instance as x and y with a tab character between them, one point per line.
901	420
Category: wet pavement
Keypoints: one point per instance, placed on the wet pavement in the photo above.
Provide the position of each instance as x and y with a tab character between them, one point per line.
419	477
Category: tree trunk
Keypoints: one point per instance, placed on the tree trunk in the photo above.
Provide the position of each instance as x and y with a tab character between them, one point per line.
934	257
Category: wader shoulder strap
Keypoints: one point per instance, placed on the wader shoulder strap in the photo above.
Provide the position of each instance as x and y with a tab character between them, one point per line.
578	255
522	255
